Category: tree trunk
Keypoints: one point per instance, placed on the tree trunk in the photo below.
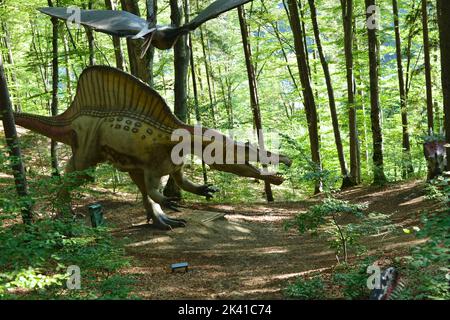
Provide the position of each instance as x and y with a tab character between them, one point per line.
17	104
347	15
6	114
444	32
55	82
67	62
253	88
196	110
138	67
346	182
118	53
90	39
302	20
208	79
152	13
377	136
428	81
308	96
181	66
407	168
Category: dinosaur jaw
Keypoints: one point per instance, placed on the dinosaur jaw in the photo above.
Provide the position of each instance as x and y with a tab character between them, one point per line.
248	170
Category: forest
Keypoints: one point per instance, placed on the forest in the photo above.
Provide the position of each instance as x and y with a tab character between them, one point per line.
335	116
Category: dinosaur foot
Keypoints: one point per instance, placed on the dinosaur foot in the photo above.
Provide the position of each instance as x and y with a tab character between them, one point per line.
171	203
166	223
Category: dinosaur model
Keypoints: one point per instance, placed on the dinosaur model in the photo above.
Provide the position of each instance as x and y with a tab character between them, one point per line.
117	118
126	24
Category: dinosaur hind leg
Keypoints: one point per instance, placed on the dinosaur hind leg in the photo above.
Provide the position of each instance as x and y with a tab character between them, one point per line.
153	209
74	177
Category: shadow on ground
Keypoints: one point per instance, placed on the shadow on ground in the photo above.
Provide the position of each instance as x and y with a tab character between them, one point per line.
245	252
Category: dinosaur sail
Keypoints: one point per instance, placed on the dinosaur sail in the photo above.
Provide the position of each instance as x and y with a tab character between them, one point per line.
106	91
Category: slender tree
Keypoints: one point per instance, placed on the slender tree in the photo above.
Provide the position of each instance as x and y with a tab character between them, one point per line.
346	182
347	15
90	39
55	83
208	78
118	53
443	7
12	141
308	95
253	89
196	103
407	168
138	67
374	64
152	15
181	66
10	59
428	80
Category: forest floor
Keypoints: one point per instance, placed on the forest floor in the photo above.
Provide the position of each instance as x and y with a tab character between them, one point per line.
248	253
244	252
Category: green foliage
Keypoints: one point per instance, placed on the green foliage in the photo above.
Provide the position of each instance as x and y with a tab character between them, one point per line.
352	280
35	258
307	289
304	170
438	189
426	270
332	219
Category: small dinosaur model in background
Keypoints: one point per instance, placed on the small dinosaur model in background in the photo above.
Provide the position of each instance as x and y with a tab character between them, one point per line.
434	149
117	118
126	24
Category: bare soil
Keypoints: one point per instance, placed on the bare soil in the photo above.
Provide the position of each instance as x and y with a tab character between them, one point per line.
247	254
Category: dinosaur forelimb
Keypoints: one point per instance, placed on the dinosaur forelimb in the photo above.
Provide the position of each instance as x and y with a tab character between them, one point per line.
184	183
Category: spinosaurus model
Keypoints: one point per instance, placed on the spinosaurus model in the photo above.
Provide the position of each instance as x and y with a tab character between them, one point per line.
126	24
117	118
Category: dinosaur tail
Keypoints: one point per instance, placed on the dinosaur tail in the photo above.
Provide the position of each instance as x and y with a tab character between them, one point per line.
52	127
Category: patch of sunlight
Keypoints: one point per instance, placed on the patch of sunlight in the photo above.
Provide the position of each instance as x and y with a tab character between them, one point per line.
271	250
322	253
260	218
297	274
237	228
263	280
151	241
251	291
225	207
404	243
412	201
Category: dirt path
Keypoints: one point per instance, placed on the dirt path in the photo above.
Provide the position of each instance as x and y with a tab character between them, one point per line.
247	253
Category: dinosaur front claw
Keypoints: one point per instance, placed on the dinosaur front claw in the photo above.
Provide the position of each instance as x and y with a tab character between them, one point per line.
208	191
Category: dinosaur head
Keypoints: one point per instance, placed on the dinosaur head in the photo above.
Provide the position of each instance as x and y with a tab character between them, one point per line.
222	153
249	170
236	157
